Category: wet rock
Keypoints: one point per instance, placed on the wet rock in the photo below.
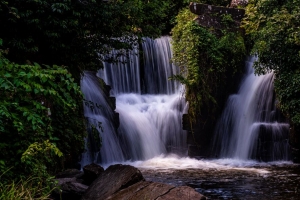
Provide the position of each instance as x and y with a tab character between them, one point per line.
112	180
151	190
91	172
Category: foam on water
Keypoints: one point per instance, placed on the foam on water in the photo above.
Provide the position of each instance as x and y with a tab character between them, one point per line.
174	162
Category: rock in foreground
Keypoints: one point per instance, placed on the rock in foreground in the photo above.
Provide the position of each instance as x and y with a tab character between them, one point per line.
91	173
113	179
159	191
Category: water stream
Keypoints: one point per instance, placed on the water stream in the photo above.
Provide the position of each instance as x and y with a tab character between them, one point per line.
251	126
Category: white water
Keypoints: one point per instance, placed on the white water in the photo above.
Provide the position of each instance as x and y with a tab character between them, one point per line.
150	118
250	126
172	162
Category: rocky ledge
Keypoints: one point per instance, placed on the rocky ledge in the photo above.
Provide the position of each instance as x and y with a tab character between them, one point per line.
117	182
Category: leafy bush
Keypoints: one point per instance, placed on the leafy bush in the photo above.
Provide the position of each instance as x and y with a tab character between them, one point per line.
37	104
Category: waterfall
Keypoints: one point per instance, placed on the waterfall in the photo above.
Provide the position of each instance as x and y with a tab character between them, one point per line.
150	106
251	127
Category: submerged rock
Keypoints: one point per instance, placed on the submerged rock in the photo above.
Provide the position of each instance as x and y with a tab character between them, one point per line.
112	180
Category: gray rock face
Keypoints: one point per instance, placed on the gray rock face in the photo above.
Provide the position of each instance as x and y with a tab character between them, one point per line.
91	172
112	180
159	191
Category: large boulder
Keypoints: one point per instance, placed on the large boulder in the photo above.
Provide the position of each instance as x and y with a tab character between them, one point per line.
150	190
91	173
112	180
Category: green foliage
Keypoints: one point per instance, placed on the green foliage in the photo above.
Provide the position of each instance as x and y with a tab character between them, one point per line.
205	60
287	86
273	27
32	98
74	33
38	155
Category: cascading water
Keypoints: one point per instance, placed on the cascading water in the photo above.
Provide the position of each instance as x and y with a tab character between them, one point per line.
251	127
150	123
97	110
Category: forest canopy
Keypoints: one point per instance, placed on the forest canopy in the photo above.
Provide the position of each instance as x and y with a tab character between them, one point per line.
74	33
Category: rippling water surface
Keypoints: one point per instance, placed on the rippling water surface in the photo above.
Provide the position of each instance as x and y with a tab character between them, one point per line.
226	178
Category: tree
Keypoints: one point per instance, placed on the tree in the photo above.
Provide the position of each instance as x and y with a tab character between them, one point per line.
75	33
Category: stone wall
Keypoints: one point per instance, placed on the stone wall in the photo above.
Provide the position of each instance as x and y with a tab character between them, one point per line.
211	16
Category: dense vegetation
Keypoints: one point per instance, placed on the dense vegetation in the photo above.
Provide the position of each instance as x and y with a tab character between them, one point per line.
273	28
208	58
40	109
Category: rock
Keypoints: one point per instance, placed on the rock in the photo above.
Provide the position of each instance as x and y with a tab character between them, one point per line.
182	192
91	172
238	3
130	192
112	180
204	9
71	189
70	173
150	190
